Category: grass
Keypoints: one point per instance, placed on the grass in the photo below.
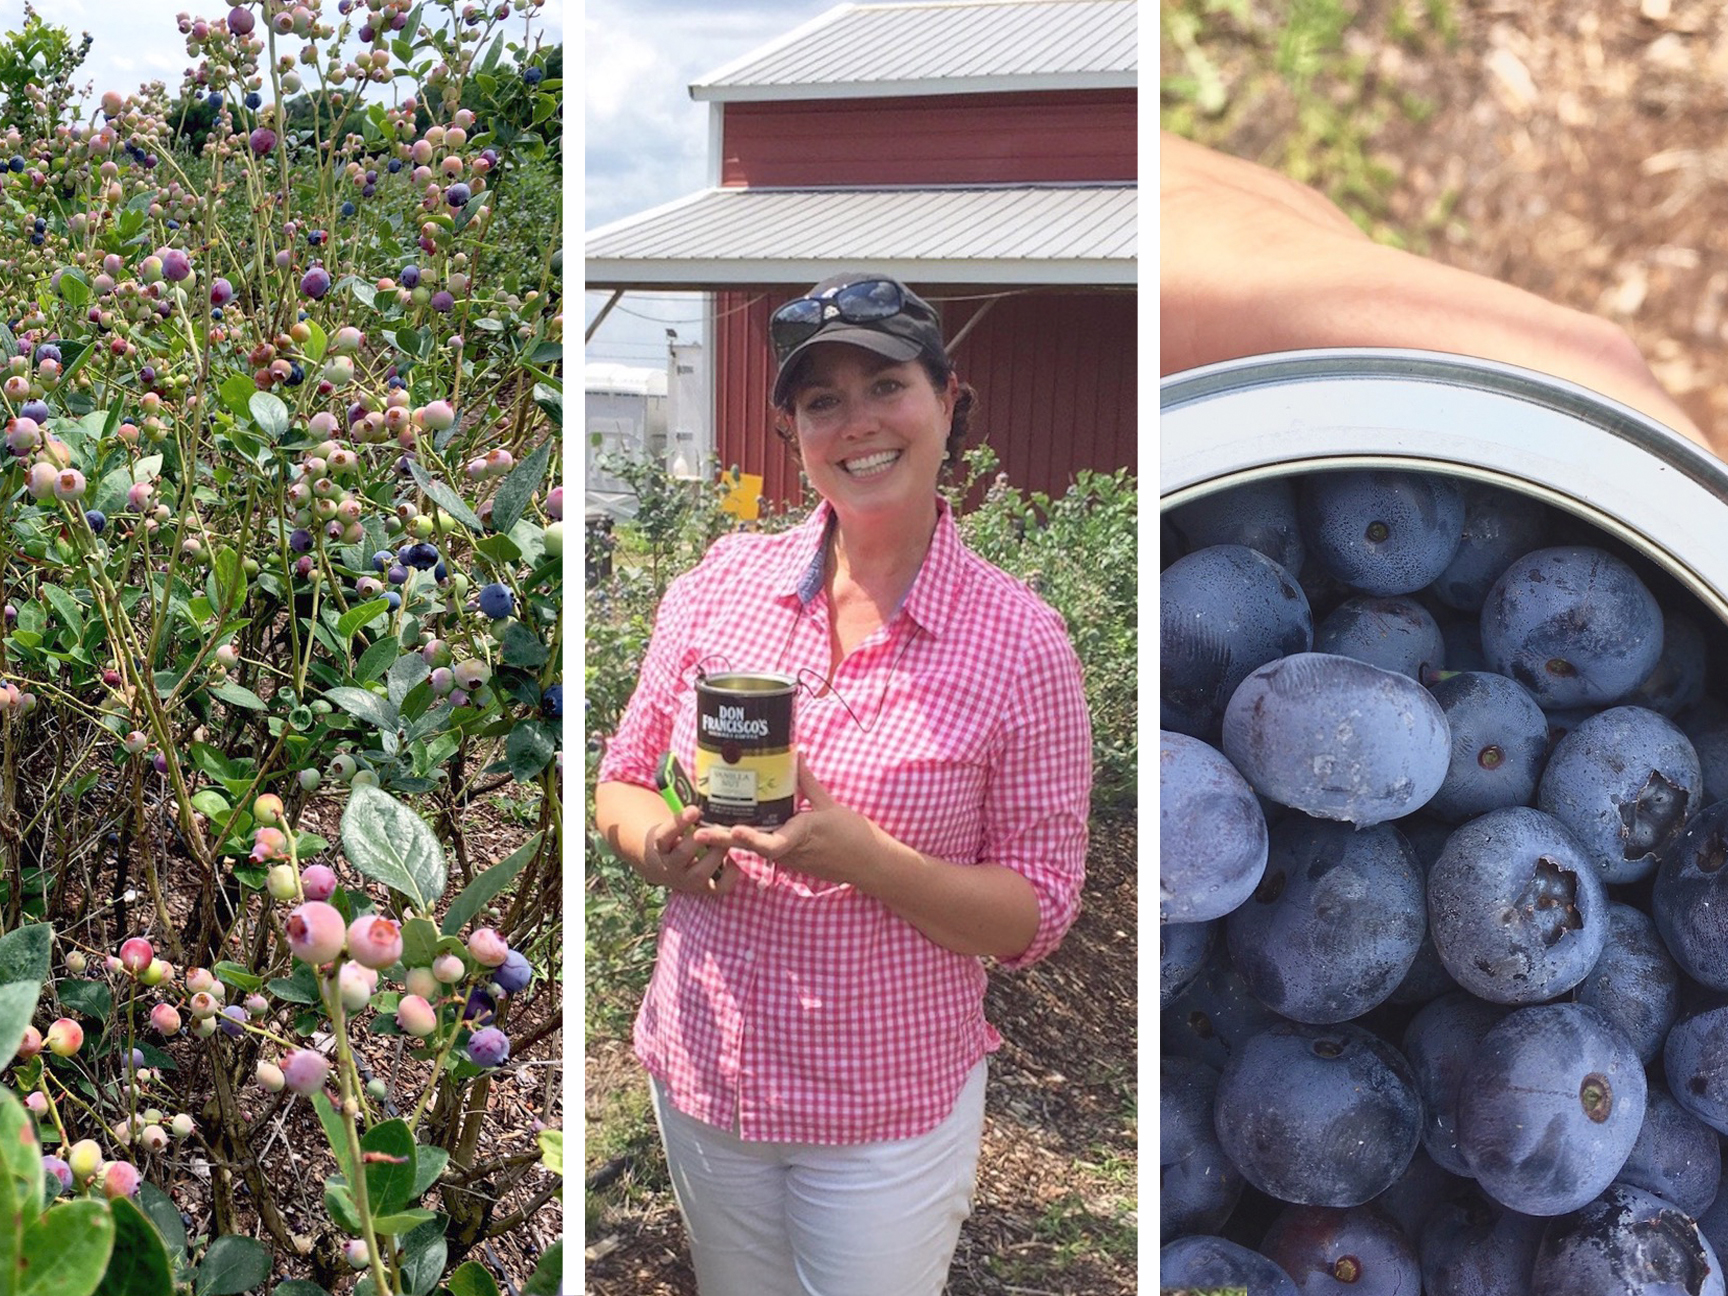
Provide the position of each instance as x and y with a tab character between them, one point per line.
623	1129
1291	81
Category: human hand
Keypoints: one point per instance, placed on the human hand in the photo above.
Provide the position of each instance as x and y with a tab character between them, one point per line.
1252	262
826	841
673	856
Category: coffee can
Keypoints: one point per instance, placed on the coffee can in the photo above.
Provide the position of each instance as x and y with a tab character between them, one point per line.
1240	421
746	765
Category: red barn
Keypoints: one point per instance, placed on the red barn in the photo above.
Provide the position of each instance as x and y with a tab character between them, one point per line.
982	151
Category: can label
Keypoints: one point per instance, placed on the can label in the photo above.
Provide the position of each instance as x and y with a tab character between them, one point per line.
746	768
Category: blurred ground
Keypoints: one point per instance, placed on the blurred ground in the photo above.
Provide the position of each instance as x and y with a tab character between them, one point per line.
1576	148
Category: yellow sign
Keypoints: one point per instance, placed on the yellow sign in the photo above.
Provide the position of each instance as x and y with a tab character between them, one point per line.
743	498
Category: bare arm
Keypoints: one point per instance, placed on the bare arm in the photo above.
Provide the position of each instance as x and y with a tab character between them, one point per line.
1251	262
638	826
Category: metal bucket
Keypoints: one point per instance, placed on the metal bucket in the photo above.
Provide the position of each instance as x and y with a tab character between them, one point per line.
746	765
1301	411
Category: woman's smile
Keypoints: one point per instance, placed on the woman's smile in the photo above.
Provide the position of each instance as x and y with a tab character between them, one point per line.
870	465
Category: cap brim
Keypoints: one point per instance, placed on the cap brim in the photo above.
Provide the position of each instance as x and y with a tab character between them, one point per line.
883	344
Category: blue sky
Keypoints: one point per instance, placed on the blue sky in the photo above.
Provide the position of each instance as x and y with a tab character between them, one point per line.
646	140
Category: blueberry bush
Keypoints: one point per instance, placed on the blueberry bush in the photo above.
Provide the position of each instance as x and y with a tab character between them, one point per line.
282	583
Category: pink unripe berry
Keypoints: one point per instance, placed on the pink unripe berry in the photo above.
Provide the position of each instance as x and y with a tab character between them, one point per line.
449	968
201	980
65	1037
416	1016
437	416
270	1076
356	985
69	485
166	1019
204	1005
84	1159
316	932
154	1138
304	1071
36	1102
120	1179
267	809
472	673
30	1045
355	1253
374	941
317	882
135	954
555	504
269	844
488	947
42	476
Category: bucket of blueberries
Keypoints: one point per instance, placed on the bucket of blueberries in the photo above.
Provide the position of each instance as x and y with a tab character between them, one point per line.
1443	826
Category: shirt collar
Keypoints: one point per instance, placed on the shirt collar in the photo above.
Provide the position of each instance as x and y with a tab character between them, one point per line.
931	600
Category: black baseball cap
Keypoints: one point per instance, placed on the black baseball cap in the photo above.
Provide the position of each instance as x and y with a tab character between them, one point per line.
862	309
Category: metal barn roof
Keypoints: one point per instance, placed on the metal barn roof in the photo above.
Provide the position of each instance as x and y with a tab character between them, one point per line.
719	238
948	47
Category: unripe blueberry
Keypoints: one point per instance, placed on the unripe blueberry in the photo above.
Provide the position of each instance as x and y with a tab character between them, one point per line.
282	882
31	1044
364	778
221	292
65	1037
555	503
229	656
437	416
472	673
488	1047
374	941
159	971
317	882
36	1102
270	1076
309	779
487	947
202	981
135	954
134	743
153	1138
552	538
69	484
316	932
442	680
356	985
355	1253
181	1126
84	1159
76	962
61	1173
120	1179
267	809
513	974
166	1019
176	265
41	479
257	1005
343	766
416	1016
449	968
420	981
304	1071
315	282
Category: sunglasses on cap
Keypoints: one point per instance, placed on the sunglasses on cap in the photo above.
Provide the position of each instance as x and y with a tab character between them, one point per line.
868	301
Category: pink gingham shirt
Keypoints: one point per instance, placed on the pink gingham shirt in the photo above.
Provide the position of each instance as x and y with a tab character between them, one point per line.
794	1009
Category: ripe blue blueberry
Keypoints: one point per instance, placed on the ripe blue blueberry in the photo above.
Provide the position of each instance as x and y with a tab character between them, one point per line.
496	601
410	276
1197	1185
1627	1241
458	194
533	75
382	560
1211	832
1499	526
488	1047
348	209
514	974
1205	1262
1183	949
1549	1107
253	99
1438	1044
1677	1156
1499	745
1695	1057
35	409
1690	898
1395	634
552	702
98	521
1261	515
300	540
1381	532
1361	1249
422	556
1636	982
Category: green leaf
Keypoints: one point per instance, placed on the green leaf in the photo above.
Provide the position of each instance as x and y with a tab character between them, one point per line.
551	403
389	1182
471	1278
408	670
377	659
339	1205
429	1163
238	695
300	987
391	844
355	618
74	287
419	942
316	344
445	498
516	491
165	1215
336	1133
210	803
548	1277
401	1221
269	413
499	548
522	647
226	584
237	977
488	886
140	1264
233	1264
66	1251
20	1180
552	1151
66	609
531	744
237	393
23	969
364	705
426	1251
298	1287
91	998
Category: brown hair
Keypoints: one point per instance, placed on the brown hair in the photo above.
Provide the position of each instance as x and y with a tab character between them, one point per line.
938	370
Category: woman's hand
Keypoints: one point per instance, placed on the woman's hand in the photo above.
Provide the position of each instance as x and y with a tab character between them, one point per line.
677	858
1252	262
826	841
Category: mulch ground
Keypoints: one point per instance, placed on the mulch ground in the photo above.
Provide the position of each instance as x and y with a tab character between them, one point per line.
1055	1207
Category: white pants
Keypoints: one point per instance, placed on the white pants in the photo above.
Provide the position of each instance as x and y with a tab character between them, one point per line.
804	1219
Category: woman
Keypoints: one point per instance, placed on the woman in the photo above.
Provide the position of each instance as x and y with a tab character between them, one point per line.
814	1028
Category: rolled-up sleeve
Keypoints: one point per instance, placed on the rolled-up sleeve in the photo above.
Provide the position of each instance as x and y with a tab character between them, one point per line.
1040	790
